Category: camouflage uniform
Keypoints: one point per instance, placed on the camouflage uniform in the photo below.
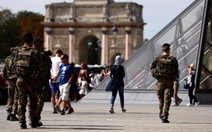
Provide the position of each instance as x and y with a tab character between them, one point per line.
25	83
9	74
43	82
164	84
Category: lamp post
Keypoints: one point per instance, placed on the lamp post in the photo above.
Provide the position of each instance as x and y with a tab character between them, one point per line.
115	30
90	52
94	47
99	50
90	43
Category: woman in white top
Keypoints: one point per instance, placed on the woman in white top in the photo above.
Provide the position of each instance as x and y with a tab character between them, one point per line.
190	80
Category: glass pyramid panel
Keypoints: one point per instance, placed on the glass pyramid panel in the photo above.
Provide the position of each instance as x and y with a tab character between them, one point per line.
183	33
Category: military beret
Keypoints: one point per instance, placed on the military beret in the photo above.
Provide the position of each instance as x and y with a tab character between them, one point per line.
48	52
166	45
28	37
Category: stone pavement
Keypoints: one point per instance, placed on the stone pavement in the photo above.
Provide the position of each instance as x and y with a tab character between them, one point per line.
94	117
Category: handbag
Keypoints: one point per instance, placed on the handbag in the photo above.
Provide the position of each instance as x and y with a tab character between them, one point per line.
186	86
109	86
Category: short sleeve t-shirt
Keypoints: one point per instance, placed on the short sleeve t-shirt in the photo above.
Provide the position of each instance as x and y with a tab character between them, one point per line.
56	63
65	73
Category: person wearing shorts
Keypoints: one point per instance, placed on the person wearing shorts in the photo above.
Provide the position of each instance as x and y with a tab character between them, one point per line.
66	74
54	85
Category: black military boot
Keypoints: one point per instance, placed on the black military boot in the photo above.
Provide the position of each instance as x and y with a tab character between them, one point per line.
13	117
165	121
33	124
23	125
39	123
8	115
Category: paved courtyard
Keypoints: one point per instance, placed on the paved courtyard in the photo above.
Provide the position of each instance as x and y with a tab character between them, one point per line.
94	117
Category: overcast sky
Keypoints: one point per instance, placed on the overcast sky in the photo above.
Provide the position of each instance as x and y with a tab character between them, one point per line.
156	13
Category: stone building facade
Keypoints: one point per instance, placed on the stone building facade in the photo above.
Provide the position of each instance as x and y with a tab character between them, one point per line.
93	31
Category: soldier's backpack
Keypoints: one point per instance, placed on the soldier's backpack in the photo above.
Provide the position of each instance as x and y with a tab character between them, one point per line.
8	70
166	68
23	62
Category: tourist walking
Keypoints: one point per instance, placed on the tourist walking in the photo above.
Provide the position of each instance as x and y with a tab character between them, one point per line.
54	84
190	78
66	74
117	74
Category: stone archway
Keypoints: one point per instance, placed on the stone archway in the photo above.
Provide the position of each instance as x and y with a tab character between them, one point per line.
90	50
73	22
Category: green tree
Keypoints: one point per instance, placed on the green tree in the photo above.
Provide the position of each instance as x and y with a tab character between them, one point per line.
5	15
14	26
8	32
31	22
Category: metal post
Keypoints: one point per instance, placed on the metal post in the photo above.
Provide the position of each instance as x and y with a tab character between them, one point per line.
99	50
115	30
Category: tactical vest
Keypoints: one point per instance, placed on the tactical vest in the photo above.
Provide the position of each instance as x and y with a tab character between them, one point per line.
23	62
46	65
166	68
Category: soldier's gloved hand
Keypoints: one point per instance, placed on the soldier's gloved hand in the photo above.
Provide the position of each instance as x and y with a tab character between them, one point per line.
154	73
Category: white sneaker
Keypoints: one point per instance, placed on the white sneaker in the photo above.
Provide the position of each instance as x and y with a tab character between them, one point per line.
196	104
189	104
175	104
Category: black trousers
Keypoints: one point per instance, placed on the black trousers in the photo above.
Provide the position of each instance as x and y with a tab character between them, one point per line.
191	96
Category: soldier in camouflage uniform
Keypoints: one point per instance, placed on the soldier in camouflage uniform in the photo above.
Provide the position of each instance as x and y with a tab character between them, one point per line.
43	78
10	76
164	68
27	65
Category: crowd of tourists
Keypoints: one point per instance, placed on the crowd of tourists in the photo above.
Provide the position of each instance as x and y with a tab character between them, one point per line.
31	73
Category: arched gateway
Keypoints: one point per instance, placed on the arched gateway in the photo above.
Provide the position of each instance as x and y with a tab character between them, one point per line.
93	31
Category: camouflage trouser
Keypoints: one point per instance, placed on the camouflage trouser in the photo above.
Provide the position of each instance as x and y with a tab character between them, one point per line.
40	106
12	102
164	92
26	89
41	95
